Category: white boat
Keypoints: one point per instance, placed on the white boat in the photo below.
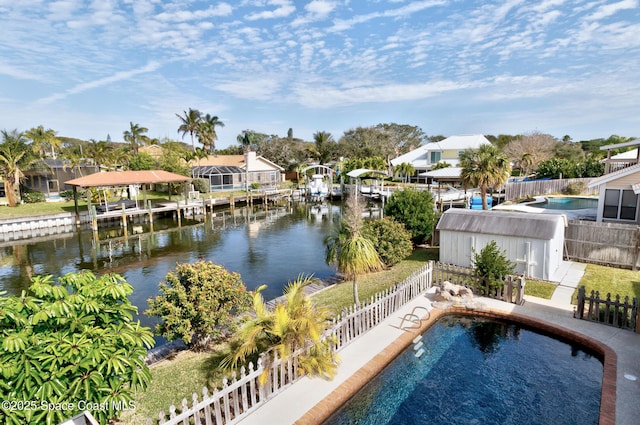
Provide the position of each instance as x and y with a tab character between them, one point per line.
317	186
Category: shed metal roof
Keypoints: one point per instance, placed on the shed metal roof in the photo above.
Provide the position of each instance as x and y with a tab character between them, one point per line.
535	226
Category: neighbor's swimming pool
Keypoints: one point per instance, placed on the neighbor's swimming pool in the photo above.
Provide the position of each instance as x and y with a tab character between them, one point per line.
481	371
566	203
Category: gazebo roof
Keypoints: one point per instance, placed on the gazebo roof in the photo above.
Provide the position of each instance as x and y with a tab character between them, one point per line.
125	178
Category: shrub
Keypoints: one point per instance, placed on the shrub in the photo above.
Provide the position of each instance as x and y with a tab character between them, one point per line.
201	185
68	195
390	238
74	343
574	188
33	197
491	264
255	185
415	209
197	303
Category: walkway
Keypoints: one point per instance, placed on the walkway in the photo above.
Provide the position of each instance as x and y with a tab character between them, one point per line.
308	400
570	274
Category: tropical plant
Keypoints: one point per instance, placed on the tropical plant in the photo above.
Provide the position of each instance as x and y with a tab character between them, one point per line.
390	238
406	170
491	264
485	168
136	136
352	252
324	146
415	209
71	344
15	156
33	197
189	124
206	132
247	139
525	162
440	165
142	161
293	326
42	140
198	303
99	152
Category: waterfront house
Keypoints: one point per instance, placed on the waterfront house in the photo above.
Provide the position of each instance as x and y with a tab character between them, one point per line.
425	157
229	172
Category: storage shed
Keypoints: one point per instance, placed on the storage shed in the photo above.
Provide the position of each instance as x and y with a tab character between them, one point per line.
534	242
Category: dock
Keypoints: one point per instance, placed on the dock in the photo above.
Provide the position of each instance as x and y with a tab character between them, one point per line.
191	207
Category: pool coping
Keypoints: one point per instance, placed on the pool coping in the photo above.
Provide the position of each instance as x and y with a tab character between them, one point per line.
325	408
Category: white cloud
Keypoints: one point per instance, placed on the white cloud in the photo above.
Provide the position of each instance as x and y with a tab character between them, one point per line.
80	88
283	8
222	9
18	73
608	10
320	7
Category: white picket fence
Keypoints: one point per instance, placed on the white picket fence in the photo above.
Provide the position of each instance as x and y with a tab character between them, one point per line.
242	394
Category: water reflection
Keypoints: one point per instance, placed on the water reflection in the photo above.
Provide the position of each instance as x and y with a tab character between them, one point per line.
266	246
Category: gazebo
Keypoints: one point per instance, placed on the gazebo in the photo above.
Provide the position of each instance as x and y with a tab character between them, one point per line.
122	178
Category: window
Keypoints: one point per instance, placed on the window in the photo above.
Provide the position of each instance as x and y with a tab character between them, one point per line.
436	156
620	204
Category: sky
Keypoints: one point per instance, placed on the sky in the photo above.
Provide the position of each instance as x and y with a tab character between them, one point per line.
88	68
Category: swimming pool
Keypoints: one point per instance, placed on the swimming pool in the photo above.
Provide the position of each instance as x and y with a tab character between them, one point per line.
566	203
481	371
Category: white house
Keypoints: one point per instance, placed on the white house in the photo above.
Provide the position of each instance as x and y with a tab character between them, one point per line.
619	200
620	185
228	172
447	150
534	242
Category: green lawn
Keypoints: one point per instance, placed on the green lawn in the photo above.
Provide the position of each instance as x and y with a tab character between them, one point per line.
539	288
610	280
173	380
340	296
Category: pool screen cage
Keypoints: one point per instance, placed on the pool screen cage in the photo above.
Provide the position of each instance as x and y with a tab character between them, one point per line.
219	177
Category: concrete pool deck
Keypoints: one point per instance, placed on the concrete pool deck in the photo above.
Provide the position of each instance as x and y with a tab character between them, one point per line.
310	401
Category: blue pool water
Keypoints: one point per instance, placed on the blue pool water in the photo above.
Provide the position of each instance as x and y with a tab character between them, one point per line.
560	203
481	371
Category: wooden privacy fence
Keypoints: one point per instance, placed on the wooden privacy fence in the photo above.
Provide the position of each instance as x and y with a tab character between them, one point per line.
544	187
612	244
242	394
511	290
621	314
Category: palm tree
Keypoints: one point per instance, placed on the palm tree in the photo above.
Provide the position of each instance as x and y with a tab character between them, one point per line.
406	170
15	156
347	248
206	132
246	139
292	326
486	167
190	122
526	161
135	136
323	140
99	152
42	140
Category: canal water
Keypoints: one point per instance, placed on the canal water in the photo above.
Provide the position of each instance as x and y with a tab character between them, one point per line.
268	246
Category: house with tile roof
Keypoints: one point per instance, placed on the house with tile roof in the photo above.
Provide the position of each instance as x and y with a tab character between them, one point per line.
232	172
